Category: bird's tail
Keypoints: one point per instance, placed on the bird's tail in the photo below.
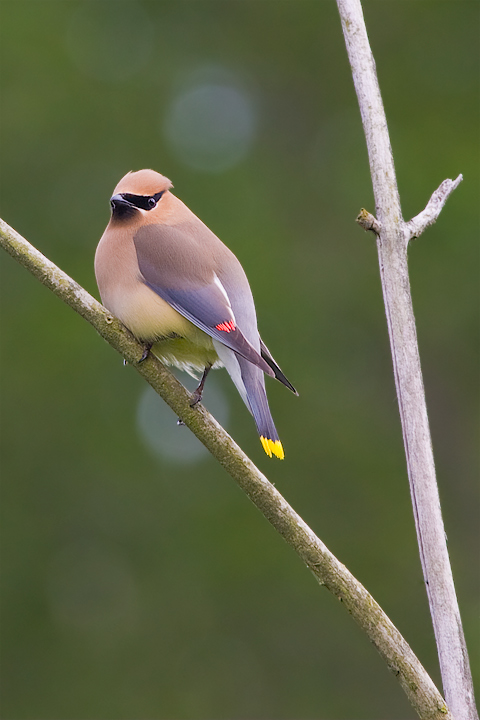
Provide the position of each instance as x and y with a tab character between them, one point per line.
254	383
250	383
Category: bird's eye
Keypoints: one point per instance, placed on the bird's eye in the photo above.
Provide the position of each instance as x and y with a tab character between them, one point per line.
143	202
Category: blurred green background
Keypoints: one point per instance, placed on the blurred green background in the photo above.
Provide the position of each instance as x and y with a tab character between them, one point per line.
137	581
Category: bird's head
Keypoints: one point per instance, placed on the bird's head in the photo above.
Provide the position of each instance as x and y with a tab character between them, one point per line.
138	193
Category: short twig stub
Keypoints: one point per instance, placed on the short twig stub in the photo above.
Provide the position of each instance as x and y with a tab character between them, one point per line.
368	221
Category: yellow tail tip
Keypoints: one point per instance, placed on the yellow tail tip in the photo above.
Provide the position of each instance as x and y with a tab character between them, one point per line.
272	447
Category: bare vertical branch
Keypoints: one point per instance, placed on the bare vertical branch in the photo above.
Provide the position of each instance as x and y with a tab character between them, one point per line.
392	253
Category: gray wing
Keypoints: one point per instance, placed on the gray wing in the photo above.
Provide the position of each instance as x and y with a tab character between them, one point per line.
179	263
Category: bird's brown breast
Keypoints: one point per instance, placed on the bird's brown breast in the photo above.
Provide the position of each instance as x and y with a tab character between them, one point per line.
124	293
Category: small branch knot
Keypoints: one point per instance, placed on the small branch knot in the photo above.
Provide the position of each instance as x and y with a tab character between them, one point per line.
368	222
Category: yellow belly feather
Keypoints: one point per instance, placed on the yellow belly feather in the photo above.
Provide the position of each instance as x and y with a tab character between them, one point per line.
180	343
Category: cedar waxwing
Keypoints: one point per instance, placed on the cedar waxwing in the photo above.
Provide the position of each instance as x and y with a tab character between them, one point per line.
180	290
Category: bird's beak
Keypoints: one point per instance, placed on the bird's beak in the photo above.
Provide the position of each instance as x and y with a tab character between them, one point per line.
122	208
117	201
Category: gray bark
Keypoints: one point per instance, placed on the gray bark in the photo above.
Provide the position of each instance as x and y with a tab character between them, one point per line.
393	235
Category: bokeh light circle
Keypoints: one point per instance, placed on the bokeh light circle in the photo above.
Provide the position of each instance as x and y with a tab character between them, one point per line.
158	428
210	126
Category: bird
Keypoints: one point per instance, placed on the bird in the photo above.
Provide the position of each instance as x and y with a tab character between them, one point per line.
183	294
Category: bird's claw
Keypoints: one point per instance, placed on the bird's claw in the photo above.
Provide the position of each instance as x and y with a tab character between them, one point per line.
195	397
146	352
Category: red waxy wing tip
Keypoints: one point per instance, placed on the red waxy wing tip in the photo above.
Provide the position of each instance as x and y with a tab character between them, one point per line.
227	326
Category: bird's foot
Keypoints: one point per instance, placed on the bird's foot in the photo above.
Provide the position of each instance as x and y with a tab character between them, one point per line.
195	397
198	392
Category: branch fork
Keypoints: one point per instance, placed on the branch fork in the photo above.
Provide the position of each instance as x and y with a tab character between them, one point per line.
416	226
